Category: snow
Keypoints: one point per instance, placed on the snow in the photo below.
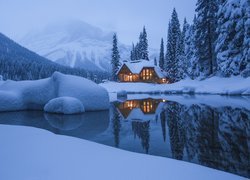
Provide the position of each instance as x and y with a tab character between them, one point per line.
34	95
64	105
122	94
77	44
214	85
29	153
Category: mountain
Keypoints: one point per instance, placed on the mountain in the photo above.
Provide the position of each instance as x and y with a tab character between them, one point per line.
19	63
75	43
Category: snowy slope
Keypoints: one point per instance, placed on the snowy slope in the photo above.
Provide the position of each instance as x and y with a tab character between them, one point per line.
43	155
76	44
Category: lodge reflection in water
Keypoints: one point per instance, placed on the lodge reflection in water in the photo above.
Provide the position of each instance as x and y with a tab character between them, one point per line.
142	109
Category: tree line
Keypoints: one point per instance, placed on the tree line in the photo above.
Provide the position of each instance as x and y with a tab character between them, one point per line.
18	63
216	43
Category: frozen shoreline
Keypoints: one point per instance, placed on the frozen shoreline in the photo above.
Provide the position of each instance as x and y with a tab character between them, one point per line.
214	85
43	155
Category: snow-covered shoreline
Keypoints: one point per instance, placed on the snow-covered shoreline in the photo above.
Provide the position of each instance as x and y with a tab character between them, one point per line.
43	155
214	85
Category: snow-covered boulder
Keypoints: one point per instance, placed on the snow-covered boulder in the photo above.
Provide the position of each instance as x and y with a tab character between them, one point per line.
64	105
34	95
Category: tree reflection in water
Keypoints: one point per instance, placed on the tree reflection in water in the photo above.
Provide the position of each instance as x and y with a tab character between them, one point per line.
217	137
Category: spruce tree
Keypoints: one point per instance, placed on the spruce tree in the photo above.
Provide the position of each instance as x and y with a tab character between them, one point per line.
184	63
206	36
144	45
155	61
190	51
161	57
173	48
141	48
167	62
233	43
115	59
132	53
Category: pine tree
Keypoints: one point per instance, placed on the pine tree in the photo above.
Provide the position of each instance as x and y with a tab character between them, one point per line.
161	57
144	45
132	53
115	59
137	51
173	48
141	48
233	43
184	62
206	36
191	52
167	62
155	61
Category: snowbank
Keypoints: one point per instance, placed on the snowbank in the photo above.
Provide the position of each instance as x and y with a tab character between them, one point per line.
64	105
34	95
214	85
25	152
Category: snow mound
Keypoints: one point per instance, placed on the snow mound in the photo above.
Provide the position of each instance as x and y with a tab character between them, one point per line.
64	105
34	95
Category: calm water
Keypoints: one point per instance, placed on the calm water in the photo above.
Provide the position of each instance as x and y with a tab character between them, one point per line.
216	136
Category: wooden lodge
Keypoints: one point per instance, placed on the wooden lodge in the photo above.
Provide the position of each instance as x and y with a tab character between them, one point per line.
141	71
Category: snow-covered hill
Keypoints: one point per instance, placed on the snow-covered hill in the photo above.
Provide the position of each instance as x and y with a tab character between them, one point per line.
76	44
72	43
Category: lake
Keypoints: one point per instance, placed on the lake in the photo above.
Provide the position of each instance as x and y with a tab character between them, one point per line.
212	131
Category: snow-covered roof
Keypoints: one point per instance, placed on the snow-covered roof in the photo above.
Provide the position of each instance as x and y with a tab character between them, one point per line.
136	67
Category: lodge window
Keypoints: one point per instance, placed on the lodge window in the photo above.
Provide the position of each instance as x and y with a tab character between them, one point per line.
147	106
147	74
128	77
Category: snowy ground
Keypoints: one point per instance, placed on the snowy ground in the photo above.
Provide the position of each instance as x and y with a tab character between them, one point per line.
214	85
35	154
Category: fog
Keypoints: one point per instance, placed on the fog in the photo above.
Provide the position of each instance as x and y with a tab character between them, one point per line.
127	17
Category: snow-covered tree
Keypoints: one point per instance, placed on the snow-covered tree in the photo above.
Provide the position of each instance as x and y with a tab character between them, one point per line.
133	53
155	61
206	36
190	51
182	59
115	59
144	45
233	43
140	51
161	57
173	48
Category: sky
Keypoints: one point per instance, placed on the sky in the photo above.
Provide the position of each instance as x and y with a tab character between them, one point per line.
126	17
